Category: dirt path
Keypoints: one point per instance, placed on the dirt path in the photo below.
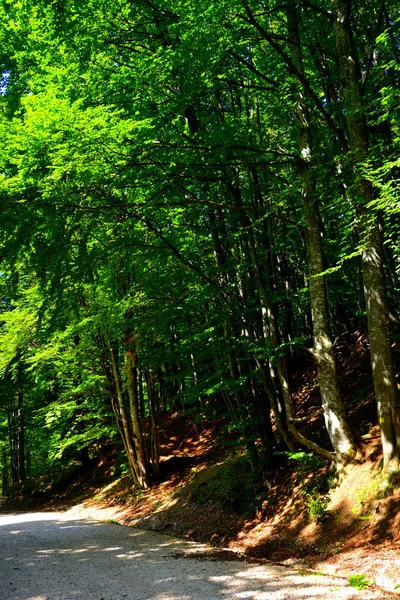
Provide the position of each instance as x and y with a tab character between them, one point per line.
54	556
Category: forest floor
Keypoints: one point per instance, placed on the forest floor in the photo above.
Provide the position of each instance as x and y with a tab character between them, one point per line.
356	534
298	516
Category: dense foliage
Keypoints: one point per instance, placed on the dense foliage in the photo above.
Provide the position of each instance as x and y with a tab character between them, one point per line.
193	194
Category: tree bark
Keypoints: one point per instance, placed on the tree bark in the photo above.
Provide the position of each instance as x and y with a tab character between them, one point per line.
21	438
137	434
124	429
336	421
4	474
372	255
153	430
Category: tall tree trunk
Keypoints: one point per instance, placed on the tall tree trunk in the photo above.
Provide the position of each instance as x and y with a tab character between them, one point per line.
372	255
284	418
153	430
12	439
4	473
336	421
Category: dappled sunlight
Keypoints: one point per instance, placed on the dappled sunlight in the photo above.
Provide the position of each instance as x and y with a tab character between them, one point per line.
66	551
171	597
74	526
30	517
17	531
131	555
142	565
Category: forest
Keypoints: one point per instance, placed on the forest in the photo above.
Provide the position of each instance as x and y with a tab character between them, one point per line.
199	203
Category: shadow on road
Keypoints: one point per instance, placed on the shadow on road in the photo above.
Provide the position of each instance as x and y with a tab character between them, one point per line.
48	556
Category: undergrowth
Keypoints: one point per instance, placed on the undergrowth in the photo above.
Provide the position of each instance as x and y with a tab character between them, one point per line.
315	481
360	582
233	484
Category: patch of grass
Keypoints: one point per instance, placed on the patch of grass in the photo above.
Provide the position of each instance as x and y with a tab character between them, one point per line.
380	486
360	582
310	472
314	482
232	484
306	462
317	507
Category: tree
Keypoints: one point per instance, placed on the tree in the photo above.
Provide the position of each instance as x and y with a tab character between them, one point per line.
186	244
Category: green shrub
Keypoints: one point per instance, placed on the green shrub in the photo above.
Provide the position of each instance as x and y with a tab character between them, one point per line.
317	507
359	582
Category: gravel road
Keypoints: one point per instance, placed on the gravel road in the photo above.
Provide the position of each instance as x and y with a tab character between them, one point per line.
53	556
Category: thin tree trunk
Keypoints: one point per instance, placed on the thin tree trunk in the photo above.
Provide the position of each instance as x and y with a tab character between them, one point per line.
21	439
163	397
4	474
125	428
137	434
141	394
12	438
153	430
227	276
112	390
271	327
